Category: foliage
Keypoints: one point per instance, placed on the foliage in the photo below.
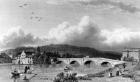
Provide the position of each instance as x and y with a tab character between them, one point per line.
61	77
4	58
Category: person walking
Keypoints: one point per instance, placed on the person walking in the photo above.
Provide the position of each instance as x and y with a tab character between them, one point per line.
25	69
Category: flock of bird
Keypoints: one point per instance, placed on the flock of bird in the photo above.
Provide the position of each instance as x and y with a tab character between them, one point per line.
24	5
33	16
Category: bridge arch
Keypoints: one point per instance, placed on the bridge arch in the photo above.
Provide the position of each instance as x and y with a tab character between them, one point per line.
74	63
60	62
106	64
89	63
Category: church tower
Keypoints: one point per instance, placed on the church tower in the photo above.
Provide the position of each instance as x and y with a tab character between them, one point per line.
23	54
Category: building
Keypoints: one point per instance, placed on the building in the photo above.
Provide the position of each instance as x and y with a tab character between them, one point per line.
131	54
23	59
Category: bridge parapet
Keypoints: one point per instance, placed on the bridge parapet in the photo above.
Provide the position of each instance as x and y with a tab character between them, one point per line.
97	61
69	60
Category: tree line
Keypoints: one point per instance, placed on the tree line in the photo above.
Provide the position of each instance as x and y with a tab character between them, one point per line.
47	57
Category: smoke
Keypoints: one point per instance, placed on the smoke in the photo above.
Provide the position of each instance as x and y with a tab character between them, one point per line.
16	37
86	33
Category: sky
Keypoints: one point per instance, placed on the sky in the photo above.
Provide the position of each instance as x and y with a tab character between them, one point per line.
101	24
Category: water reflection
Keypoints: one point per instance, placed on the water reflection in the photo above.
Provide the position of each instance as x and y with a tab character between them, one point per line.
17	80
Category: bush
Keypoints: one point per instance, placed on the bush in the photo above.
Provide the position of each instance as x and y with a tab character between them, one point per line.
61	77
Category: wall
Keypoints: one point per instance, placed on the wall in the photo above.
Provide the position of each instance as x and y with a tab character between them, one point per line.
131	52
23	61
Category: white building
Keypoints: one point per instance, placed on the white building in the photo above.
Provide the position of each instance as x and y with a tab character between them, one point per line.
23	59
131	53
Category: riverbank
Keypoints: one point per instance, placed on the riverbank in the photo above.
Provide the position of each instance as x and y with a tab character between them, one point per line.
5	64
48	73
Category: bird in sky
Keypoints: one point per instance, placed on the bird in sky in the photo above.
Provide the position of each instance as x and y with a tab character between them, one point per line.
24	5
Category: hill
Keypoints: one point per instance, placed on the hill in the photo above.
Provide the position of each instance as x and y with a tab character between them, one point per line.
76	51
4	58
81	51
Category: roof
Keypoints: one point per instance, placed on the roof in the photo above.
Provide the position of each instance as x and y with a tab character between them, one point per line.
131	49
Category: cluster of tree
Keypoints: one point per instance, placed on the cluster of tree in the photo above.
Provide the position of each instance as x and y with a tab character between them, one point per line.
111	55
4	58
46	57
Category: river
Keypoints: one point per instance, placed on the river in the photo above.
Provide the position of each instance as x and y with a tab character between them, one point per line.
46	73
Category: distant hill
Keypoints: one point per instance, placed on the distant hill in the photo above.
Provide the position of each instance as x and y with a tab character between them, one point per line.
84	51
64	49
17	51
4	58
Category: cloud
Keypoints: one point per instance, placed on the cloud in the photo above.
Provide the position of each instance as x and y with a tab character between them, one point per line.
16	37
120	35
120	38
86	33
116	4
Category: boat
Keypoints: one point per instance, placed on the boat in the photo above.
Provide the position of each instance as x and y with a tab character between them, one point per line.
24	76
27	76
15	74
66	69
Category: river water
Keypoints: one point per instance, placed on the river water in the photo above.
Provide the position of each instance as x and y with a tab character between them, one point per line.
46	73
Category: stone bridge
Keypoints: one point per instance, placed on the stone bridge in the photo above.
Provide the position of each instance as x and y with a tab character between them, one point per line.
84	61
